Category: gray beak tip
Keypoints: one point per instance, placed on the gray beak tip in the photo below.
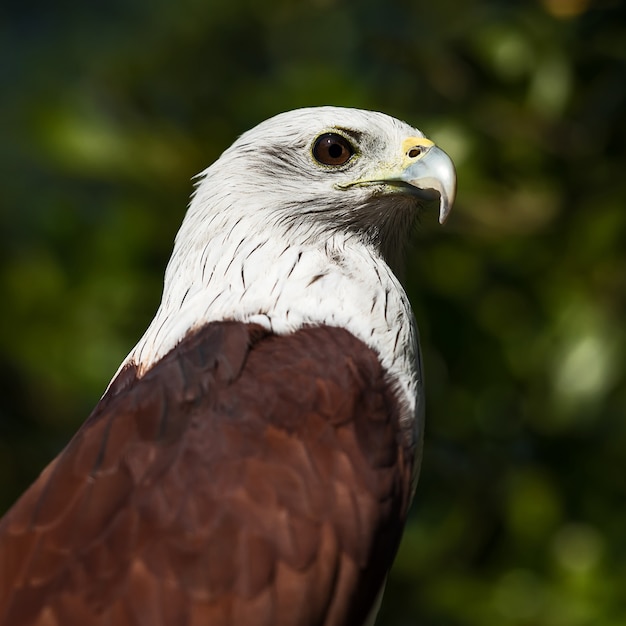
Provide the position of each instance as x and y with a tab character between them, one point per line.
434	173
445	205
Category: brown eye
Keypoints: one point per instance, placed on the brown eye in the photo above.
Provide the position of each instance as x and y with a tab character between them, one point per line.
332	149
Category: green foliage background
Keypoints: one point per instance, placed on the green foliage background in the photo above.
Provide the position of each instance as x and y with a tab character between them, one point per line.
109	108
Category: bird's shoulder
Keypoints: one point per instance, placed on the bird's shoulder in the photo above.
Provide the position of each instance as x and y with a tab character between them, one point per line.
245	476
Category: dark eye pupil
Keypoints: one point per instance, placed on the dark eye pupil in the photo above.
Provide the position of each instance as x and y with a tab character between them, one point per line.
335	150
332	149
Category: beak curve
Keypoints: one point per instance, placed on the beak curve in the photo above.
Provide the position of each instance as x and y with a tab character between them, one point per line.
434	175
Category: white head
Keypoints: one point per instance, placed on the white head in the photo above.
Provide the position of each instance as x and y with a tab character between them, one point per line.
286	178
301	221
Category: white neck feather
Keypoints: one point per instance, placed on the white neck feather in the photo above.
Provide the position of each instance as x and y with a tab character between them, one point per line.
273	237
250	271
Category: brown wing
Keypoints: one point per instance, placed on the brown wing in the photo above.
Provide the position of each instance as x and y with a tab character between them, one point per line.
247	478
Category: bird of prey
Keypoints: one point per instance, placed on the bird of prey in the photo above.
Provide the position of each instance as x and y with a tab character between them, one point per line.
253	459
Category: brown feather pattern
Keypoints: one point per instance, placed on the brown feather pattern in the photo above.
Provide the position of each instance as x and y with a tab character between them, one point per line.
247	478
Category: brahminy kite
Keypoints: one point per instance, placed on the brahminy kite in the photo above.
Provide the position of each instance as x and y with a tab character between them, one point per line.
253	459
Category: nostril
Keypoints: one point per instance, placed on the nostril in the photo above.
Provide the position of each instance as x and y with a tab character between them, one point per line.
414	152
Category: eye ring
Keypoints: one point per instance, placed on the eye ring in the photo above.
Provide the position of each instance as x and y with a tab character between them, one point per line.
332	149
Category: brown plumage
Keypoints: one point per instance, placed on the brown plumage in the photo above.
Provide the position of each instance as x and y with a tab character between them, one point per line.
247	478
253	461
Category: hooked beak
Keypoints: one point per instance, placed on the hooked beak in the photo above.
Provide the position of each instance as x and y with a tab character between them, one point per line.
431	171
423	167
